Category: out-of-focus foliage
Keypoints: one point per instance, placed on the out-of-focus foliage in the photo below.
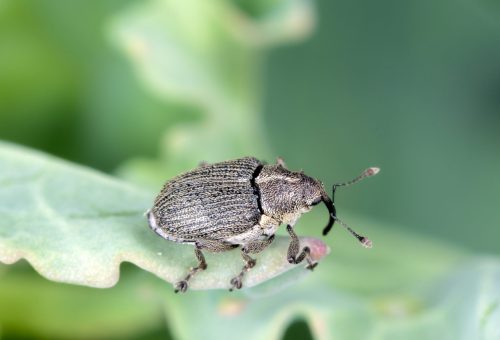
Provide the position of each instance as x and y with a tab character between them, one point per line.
412	86
35	307
208	54
149	88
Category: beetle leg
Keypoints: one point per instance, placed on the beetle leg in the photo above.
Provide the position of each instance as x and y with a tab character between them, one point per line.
293	255
236	282
182	285
212	246
253	247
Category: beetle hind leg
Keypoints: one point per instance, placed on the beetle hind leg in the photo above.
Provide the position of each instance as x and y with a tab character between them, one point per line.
212	246
182	285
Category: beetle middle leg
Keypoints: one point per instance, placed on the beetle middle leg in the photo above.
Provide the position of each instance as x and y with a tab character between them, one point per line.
293	255
236	282
253	247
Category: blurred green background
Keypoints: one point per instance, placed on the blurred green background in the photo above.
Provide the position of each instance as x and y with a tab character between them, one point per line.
332	87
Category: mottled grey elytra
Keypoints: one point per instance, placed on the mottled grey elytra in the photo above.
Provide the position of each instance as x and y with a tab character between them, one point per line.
240	203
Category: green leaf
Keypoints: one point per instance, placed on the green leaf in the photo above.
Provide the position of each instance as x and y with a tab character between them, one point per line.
76	225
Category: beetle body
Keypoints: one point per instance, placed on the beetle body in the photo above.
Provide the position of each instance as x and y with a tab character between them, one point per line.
235	203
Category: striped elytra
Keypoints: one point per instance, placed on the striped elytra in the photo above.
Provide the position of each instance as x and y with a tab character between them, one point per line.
210	202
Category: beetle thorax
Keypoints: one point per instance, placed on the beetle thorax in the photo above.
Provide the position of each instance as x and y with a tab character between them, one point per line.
285	195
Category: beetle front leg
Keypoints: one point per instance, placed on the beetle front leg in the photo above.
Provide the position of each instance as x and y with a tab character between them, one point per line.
293	255
182	285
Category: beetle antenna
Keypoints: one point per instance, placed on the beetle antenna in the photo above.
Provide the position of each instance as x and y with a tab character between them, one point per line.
331	205
331	211
367	173
364	241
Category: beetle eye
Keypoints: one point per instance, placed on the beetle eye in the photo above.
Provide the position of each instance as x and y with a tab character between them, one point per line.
316	201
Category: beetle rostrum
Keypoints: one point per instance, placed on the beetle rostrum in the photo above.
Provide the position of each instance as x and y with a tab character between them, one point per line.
241	203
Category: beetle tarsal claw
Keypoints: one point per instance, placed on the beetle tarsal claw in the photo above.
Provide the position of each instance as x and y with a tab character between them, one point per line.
181	286
311	266
235	283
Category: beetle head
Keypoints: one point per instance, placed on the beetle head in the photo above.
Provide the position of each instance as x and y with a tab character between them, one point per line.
310	192
288	194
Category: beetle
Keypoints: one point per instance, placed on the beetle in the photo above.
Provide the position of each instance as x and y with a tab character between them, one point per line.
240	203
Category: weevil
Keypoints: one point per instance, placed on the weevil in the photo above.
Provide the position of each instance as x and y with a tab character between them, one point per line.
241	203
